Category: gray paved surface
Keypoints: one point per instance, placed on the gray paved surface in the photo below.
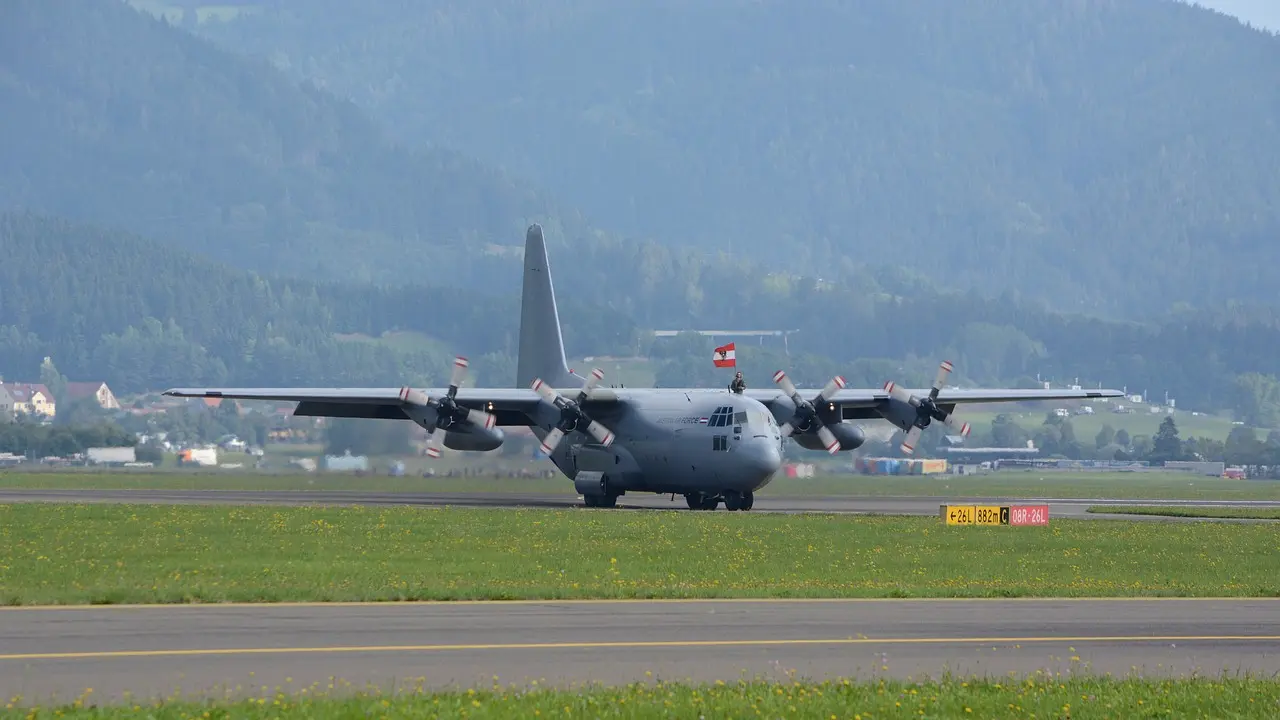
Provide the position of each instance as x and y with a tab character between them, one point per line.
199	649
898	505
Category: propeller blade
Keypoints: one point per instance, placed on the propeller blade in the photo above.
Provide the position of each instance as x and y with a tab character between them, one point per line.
899	394
786	429
410	396
482	418
435	442
829	440
546	391
955	424
785	383
600	433
552	440
592	380
459	374
944	369
831	388
913	437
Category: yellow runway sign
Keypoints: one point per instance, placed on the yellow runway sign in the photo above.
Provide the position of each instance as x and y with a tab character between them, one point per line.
991	515
958	514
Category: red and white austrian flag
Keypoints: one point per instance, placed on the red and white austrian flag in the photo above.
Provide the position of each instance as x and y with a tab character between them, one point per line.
725	357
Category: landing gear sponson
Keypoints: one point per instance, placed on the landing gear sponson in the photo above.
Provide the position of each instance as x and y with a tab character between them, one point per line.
597	493
733	500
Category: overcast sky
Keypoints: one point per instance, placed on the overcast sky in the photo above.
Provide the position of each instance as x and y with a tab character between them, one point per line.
1259	13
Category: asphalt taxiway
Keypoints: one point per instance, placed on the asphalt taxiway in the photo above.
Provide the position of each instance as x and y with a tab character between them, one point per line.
886	505
147	651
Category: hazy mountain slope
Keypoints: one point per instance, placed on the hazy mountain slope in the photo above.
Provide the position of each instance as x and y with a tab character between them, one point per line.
129	123
1101	155
114	117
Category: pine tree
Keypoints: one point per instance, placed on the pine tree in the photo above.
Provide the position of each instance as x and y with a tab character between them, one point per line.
1167	445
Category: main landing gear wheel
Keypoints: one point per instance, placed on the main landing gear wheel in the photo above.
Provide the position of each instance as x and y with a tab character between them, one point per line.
734	500
702	501
601	501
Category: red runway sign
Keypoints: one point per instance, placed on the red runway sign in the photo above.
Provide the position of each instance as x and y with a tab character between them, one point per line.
1029	515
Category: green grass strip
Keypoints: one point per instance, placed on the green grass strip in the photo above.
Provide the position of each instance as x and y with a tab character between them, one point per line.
1184	511
1079	698
170	553
1006	484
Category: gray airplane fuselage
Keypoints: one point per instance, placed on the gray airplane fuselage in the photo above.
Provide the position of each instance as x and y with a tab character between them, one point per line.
681	442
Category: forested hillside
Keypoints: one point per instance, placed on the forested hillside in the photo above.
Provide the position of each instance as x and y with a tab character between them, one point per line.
143	316
1114	157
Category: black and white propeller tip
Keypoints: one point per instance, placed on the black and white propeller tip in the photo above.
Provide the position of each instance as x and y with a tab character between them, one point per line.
806	416
926	408
572	416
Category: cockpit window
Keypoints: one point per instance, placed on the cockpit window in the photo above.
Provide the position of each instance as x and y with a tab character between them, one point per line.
725	416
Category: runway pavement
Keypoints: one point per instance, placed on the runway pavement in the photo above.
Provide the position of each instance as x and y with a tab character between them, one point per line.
894	505
158	650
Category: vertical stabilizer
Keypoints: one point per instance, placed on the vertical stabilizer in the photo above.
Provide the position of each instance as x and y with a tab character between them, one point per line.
541	344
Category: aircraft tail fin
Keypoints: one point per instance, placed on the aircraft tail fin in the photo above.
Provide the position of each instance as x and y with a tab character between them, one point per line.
541	342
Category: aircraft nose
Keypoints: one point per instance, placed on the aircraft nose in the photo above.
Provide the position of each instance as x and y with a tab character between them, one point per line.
763	456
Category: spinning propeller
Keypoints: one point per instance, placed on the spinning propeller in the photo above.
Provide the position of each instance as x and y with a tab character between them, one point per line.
448	412
926	409
571	415
806	417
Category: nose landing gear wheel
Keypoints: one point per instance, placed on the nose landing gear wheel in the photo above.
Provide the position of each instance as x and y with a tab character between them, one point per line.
734	500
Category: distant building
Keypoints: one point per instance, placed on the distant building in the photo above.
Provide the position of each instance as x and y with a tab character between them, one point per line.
111	455
97	390
31	399
6	405
1212	469
968	461
346	462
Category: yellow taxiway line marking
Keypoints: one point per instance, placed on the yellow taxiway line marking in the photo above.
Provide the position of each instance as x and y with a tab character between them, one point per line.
630	601
632	644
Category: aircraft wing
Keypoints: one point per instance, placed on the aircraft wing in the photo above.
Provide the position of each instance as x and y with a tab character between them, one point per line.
516	406
870	398
509	406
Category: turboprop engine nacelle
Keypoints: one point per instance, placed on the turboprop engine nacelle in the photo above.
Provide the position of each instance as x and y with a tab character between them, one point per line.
914	414
450	424
460	434
466	436
849	436
902	415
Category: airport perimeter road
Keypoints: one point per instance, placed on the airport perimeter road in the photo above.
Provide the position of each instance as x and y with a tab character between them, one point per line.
157	650
891	505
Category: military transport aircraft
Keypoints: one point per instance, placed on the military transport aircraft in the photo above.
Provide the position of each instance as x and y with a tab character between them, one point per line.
711	446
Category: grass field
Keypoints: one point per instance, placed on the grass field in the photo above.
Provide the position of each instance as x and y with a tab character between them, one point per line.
1009	484
1191	512
1078	698
143	554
